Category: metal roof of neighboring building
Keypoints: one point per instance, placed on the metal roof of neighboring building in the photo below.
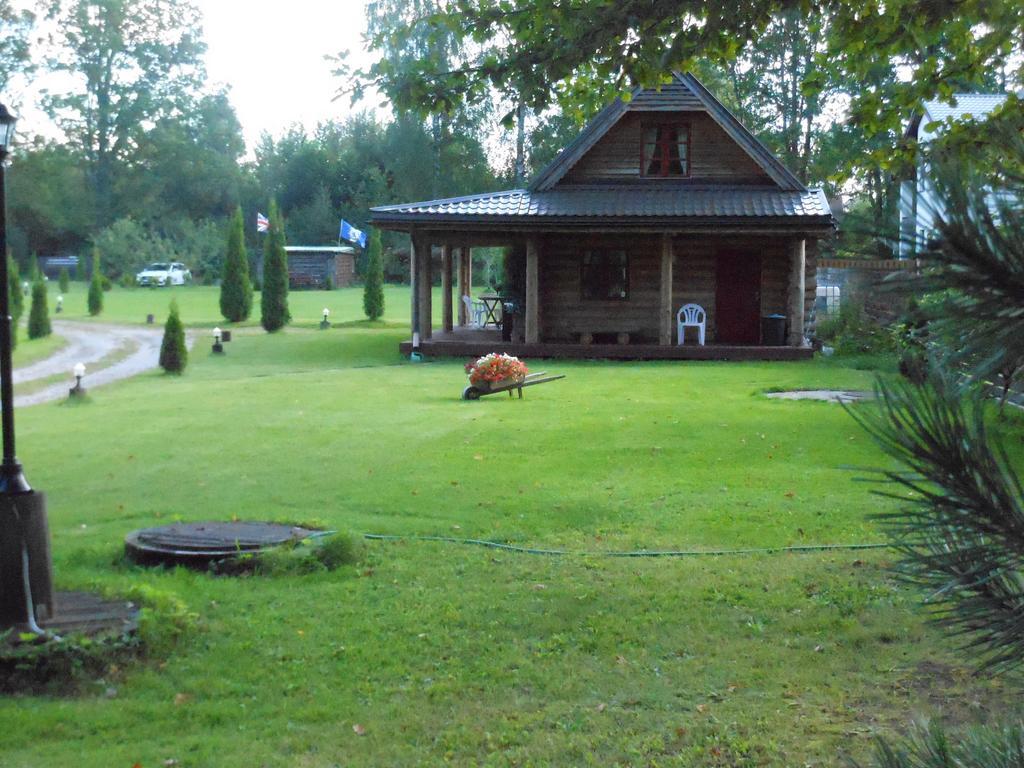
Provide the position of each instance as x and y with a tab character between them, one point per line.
973	104
615	203
319	249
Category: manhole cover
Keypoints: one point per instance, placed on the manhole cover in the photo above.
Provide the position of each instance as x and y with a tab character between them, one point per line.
201	543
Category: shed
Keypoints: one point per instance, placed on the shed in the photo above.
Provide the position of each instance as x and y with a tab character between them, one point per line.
317	266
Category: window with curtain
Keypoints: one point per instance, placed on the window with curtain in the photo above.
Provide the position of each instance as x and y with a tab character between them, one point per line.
666	150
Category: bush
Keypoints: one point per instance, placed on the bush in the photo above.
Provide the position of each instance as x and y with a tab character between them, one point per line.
39	313
173	352
852	332
64	280
235	288
96	285
274	304
373	289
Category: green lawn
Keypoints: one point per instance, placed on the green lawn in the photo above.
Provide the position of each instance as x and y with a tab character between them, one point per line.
200	305
30	350
446	653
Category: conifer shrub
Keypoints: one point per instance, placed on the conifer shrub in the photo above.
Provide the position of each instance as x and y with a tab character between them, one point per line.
38	313
64	280
173	353
274	313
16	298
235	287
96	286
373	288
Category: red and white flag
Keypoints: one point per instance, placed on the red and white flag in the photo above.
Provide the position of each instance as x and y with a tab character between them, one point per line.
262	222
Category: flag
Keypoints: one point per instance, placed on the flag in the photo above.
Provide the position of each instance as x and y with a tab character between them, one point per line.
262	222
353	235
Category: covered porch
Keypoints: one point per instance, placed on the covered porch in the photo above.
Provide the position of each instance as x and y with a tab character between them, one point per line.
738	278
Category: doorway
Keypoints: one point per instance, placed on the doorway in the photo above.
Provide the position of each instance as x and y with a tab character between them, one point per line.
738	298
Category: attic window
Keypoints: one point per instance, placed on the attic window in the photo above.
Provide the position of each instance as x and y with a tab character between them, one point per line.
666	150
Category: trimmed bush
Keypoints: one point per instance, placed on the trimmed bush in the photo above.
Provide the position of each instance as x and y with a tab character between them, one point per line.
39	313
274	313
96	286
373	289
173	353
64	280
235	288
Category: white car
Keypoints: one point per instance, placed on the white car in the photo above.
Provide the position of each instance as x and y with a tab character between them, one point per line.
164	273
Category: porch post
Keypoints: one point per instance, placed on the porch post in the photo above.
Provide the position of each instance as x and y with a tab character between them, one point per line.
532	294
446	287
665	311
423	283
414	323
463	289
797	276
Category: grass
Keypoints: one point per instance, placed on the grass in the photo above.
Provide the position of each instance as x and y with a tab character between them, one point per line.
200	305
429	653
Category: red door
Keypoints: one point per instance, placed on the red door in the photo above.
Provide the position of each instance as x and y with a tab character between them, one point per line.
738	299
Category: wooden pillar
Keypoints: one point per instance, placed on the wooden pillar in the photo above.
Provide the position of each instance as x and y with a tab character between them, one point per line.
797	273
446	287
532	293
665	308
423	287
413	285
463	288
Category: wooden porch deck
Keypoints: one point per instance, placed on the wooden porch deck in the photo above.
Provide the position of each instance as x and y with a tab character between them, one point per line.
469	342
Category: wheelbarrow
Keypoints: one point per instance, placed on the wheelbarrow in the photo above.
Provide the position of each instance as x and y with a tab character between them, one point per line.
476	392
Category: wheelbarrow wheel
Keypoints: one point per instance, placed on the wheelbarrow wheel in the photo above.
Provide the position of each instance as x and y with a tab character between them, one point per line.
471	393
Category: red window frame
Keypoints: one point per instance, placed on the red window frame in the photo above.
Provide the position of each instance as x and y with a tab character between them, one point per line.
662	150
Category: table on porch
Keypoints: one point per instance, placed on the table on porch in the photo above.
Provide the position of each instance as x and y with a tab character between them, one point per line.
492	308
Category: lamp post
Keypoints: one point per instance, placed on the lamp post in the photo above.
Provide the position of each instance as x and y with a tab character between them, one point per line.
324	325
60	305
217	346
26	579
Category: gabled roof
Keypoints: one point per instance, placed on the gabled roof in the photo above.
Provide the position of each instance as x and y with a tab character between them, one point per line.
683	93
621	205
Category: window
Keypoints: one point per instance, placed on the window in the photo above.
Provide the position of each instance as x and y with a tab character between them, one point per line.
666	150
604	275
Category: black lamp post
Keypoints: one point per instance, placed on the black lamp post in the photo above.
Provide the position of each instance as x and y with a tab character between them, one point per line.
26	580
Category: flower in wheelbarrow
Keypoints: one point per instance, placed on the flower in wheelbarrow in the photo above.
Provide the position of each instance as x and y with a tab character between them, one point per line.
496	367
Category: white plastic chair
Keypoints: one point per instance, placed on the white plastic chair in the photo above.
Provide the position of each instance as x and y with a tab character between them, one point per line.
691	316
474	311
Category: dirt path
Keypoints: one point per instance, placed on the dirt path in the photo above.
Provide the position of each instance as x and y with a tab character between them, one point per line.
125	351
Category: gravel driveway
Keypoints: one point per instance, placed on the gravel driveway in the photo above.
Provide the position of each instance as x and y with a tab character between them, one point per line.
129	351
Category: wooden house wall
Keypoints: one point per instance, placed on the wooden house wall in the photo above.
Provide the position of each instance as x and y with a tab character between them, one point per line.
344	270
565	315
714	157
311	269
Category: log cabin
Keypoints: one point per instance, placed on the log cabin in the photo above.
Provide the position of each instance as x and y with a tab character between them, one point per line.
664	199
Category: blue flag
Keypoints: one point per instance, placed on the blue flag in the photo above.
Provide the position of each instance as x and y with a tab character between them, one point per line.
353	235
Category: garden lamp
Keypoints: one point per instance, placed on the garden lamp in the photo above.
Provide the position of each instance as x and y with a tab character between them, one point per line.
79	372
323	323
217	346
60	304
26	570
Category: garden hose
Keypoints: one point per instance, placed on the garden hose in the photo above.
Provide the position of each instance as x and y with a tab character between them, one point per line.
637	553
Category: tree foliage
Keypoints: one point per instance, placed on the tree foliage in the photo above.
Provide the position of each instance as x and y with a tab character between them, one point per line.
235	287
15	53
95	299
173	352
373	287
132	62
64	280
274	313
39	312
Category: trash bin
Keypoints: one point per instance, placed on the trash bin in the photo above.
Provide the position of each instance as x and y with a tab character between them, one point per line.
773	330
509	313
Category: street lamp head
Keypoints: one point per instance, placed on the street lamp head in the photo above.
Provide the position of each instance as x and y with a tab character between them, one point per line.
7	122
326	312
216	334
79	370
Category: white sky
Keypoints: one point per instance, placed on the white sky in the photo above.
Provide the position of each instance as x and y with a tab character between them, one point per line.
270	54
